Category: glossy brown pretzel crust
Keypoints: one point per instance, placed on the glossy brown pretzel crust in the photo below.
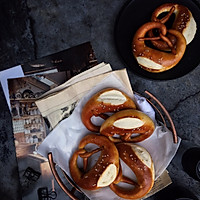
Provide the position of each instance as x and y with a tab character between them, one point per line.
143	132
109	155
144	174
182	19
98	109
166	59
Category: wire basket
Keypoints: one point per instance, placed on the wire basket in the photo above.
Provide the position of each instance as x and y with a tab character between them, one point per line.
162	114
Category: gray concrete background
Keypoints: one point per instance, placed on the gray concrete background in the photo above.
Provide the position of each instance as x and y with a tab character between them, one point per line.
38	28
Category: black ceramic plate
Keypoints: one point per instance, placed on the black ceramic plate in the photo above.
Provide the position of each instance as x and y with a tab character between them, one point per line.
137	12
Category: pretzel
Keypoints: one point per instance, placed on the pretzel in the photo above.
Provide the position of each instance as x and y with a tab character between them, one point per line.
131	125
154	60
105	170
183	22
139	161
107	100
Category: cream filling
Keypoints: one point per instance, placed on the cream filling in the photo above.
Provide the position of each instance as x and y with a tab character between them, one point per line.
190	31
113	97
128	123
143	155
108	176
148	63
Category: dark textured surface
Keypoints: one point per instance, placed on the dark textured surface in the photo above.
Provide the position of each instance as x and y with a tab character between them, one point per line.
16	46
9	189
54	25
16	42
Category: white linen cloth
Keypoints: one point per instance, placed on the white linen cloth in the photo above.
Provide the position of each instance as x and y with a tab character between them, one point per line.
64	139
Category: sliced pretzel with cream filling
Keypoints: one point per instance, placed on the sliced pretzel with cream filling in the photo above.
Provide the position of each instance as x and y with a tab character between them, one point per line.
139	161
105	170
154	60
183	22
131	125
105	101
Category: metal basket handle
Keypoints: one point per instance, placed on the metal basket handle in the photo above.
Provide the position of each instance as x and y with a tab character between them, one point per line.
166	113
71	192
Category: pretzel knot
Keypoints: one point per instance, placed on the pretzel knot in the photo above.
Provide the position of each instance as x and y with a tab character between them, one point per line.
169	41
104	171
154	60
165	43
183	22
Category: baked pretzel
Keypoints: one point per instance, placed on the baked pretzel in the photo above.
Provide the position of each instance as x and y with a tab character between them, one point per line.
139	161
154	60
183	22
131	125
104	172
107	100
